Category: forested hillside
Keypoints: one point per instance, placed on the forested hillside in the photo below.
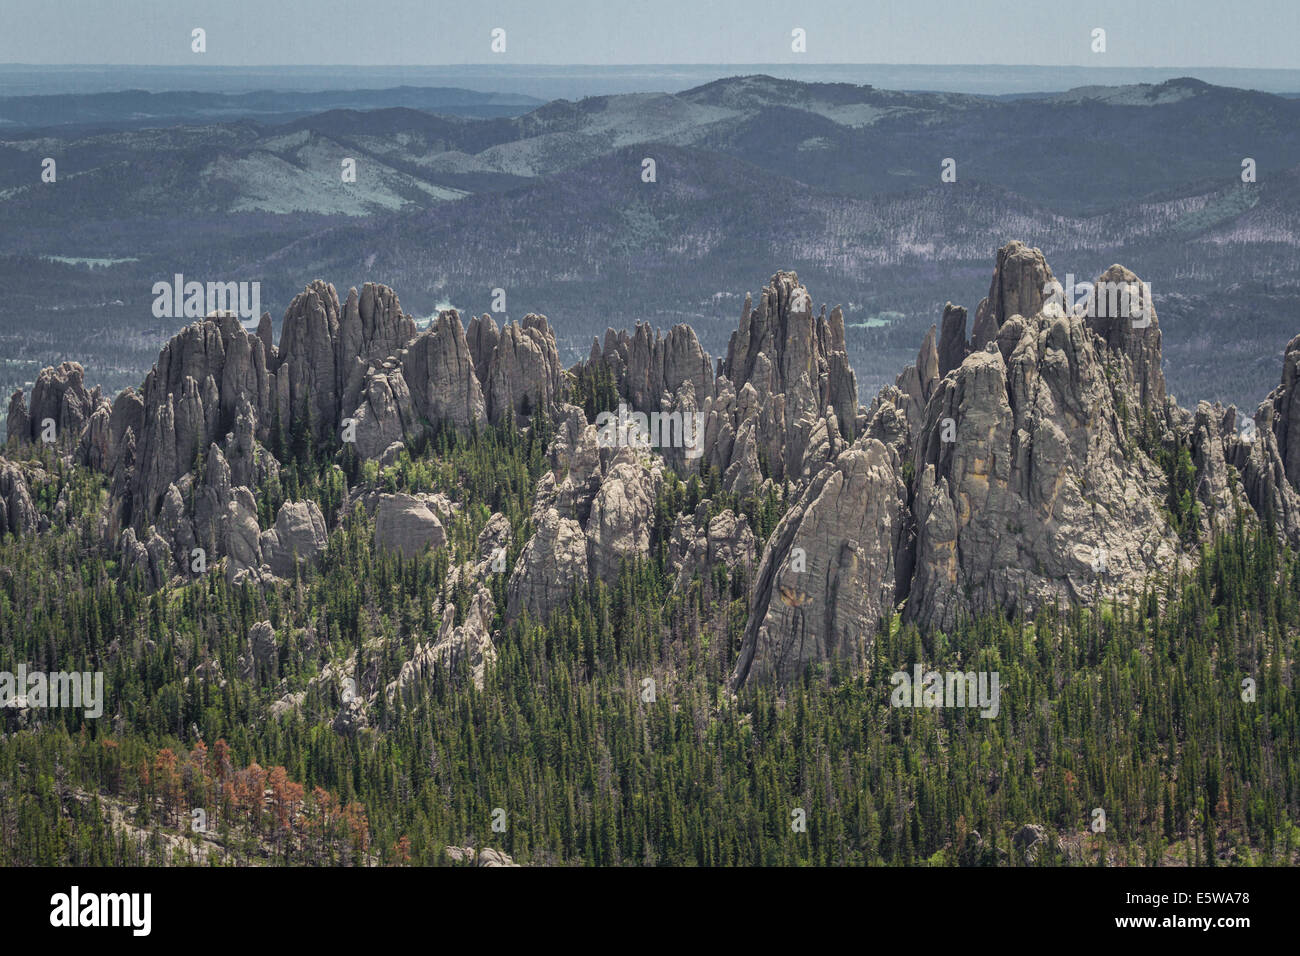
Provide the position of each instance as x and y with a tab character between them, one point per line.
1130	708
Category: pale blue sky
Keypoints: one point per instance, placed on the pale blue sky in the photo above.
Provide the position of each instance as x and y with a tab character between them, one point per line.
1156	33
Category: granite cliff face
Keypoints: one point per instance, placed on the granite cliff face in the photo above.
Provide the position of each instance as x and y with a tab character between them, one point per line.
828	574
1029	484
188	453
18	515
646	365
789	400
523	372
700	544
1039	457
446	389
324	350
1285	400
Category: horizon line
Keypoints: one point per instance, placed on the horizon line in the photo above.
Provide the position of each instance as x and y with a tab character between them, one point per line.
701	63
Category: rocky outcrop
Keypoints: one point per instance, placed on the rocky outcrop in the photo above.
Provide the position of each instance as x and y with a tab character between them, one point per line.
1218	488
1029	487
1264	451
1033	840
263	654
18	514
483	337
918	382
786	379
1032	470
189	401
135	558
18	423
827	576
470	643
524	371
1002	472
1265	481
58	396
489	856
325	351
372	325
407	525
429	384
784	401
646	364
385	414
1019	285
725	541
220	391
551	567
306	355
618	527
439	369
953	347
266	336
577	464
240	536
596	502
1121	313
496	536
298	535
669	379
445	377
1285	400
149	560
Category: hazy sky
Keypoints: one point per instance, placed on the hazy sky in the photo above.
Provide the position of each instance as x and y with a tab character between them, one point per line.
1157	33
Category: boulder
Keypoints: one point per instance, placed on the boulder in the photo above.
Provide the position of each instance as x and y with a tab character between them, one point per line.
298	535
407	525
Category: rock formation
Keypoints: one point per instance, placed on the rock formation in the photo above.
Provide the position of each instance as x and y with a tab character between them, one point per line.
645	364
471	642
58	396
523	373
324	351
1039	494
789	374
1019	285
1026	464
1032	453
1285	400
298	535
263	650
725	541
918	382
1266	450
18	514
429	384
407	525
592	511
827	575
552	566
953	347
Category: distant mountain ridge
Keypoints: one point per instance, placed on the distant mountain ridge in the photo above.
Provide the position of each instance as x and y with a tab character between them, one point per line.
137	108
